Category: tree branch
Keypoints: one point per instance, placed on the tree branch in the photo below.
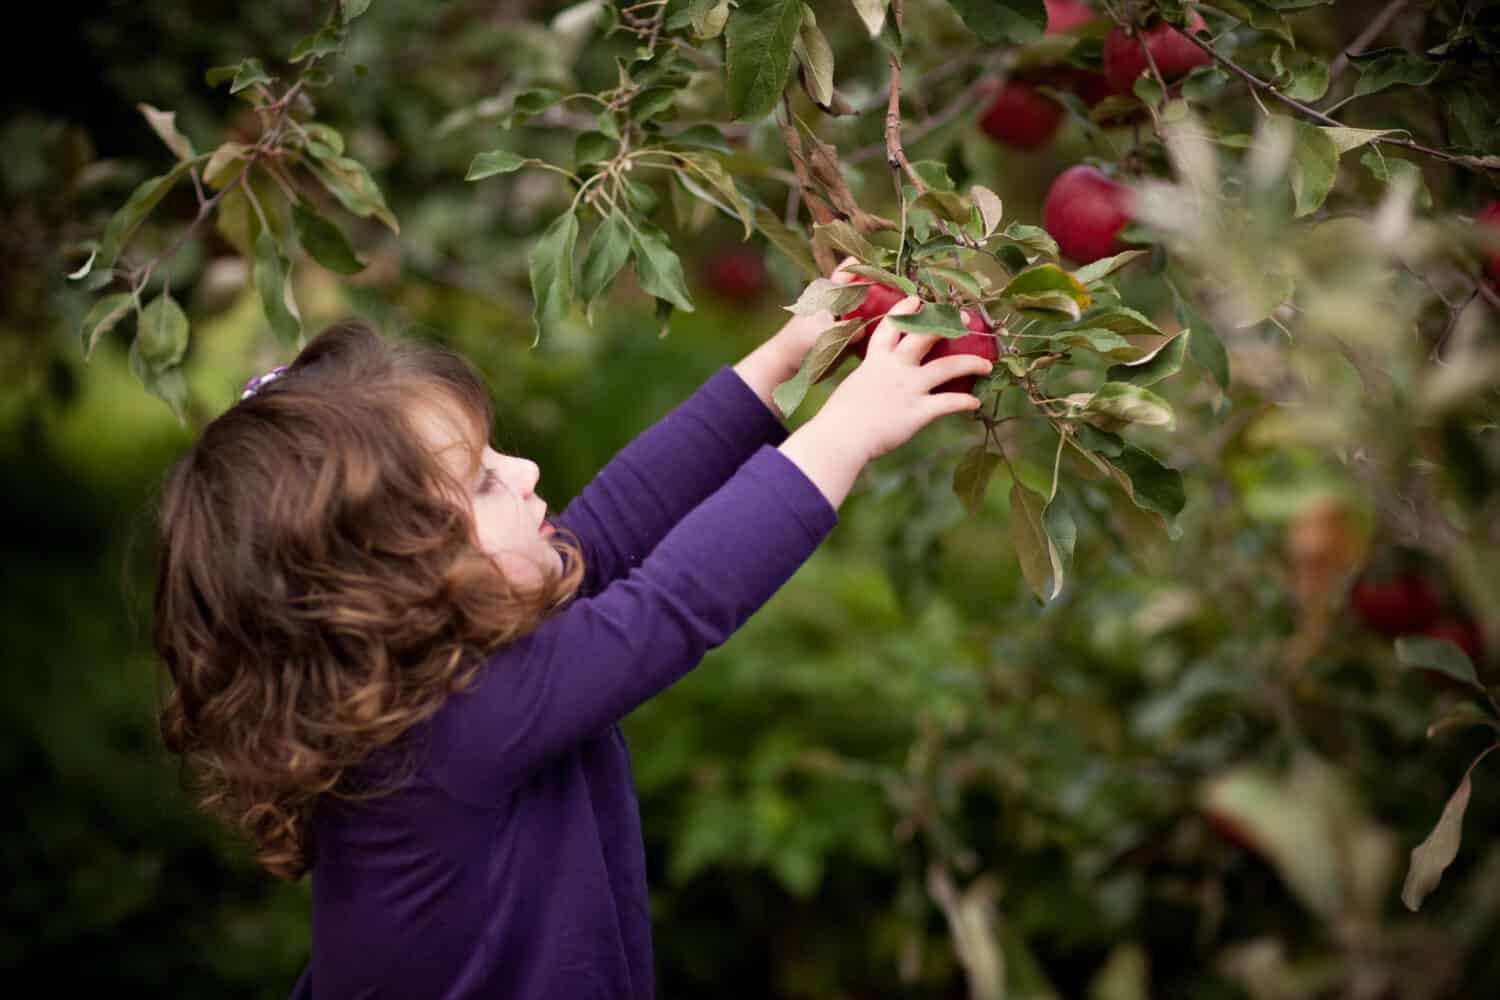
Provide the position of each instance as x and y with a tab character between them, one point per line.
895	155
1371	32
1313	113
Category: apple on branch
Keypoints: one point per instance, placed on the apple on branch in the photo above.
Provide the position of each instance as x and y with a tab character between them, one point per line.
1084	211
1173	52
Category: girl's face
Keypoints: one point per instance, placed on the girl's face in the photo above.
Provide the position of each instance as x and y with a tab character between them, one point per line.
509	518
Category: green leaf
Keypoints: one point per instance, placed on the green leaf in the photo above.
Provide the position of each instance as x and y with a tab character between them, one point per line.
608	250
1392	67
348	181
816	363
1100	269
822	294
651	102
164	124
1315	166
1257	14
551	271
934	318
166	384
1117	404
842	236
1432	856
323	142
498	161
1047	286
934	174
1309	81
1034	239
529	104
1062	534
326	243
1161	363
991	209
123	224
161	333
703	136
226	164
350	9
881	276
1441	655
1394	169
817	56
958	279
102	318
1119	319
1150	485
271	270
711	170
1043	559
792	243
1003	21
947	205
1093	439
1101	341
1345	139
759	40
972	477
324	42
1206	347
1470	120
658	268
592	147
249	73
708	17
872	13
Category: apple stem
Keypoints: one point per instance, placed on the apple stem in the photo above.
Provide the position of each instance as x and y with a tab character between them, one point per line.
1135	32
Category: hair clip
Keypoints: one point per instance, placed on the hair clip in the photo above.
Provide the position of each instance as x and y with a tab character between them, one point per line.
258	382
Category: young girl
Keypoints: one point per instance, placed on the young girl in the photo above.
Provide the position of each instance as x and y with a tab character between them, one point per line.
396	671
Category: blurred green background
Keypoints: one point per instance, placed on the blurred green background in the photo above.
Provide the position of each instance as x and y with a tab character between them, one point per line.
900	750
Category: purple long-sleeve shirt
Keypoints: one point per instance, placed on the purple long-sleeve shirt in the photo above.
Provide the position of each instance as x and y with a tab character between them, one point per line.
510	862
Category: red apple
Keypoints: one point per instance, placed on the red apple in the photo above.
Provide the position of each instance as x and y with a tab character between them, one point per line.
1402	605
737	275
878	302
1021	117
1174	53
1491	217
1065	15
1460	631
1085	211
980	342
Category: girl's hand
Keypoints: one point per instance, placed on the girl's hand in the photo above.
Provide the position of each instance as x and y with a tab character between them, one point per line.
880	405
778	359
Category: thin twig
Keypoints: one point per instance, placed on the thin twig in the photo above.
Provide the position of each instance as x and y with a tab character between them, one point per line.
894	154
1318	116
1371	32
1436	353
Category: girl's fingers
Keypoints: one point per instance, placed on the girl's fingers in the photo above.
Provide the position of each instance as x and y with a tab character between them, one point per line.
940	370
914	346
944	403
885	336
841	276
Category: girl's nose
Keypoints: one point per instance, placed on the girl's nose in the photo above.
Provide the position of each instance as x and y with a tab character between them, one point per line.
528	474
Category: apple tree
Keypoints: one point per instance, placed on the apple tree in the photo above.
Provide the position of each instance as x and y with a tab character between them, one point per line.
1238	262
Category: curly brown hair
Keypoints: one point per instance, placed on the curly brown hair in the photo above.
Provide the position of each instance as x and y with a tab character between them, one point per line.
320	587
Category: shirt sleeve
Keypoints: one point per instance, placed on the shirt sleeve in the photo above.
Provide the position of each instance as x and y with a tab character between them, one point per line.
592	663
668	470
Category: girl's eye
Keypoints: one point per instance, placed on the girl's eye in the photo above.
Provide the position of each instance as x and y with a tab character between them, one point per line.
487	482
